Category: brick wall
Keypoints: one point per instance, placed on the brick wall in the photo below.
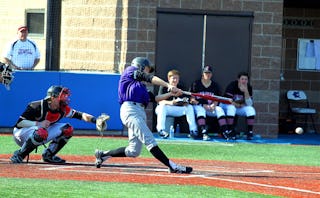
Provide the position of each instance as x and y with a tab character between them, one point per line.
305	80
266	48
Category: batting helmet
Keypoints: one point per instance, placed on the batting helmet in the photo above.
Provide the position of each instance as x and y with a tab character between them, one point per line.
140	62
60	92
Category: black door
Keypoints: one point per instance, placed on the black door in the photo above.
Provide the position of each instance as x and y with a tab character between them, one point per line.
187	40
182	44
179	45
228	46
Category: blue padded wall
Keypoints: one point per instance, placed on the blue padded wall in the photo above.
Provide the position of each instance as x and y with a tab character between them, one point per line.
93	93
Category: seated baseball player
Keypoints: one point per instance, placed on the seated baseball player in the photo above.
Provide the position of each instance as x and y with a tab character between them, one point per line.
241	92
204	107
39	124
170	104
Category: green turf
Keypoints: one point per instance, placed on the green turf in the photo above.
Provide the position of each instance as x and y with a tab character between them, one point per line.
53	188
265	153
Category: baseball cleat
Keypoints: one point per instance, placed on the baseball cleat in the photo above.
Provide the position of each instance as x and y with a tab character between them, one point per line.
229	135
16	158
99	158
250	135
47	157
163	134
193	135
181	169
206	137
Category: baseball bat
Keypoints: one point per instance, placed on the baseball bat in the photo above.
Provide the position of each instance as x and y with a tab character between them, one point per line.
221	99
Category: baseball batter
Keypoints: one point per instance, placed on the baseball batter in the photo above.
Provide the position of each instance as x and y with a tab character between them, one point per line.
203	107
241	92
134	97
39	124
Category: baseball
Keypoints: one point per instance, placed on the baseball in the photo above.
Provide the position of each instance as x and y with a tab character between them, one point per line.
299	130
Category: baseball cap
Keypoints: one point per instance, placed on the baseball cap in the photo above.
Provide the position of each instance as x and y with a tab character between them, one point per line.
207	69
22	28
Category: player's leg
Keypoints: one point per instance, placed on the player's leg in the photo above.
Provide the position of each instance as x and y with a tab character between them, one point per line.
59	133
173	167
102	156
222	121
230	112
132	116
139	134
161	111
190	115
249	112
132	150
201	121
35	138
143	135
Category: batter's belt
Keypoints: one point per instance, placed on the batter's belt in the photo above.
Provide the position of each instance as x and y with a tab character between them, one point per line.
135	103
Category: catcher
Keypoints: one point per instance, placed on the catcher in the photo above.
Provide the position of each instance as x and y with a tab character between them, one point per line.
6	76
39	125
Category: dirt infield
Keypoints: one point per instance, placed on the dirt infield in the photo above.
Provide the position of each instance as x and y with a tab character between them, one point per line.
283	180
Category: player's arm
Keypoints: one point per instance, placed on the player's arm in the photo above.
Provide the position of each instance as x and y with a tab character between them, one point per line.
28	118
142	76
9	62
163	97
88	117
248	96
174	90
83	116
35	63
150	78
155	80
193	89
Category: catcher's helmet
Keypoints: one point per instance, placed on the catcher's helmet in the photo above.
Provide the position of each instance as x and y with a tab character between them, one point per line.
140	62
60	92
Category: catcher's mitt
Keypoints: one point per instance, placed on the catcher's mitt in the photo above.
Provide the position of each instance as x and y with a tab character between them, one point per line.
6	75
101	123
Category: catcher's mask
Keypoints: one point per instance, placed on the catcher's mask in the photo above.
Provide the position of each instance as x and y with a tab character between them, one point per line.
6	75
62	93
141	63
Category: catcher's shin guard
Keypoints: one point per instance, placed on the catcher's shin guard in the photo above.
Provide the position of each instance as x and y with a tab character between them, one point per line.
54	147
59	142
28	146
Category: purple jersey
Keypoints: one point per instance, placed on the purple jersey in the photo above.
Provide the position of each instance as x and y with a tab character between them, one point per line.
131	87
